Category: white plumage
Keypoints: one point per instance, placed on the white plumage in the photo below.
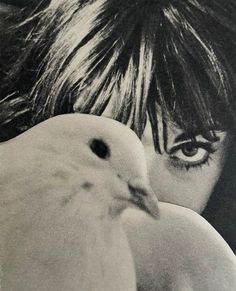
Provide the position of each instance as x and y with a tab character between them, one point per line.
64	184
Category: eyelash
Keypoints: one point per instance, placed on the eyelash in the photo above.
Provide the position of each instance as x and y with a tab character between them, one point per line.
184	165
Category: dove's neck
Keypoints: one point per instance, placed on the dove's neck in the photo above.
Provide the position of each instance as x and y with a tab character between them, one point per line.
84	253
107	260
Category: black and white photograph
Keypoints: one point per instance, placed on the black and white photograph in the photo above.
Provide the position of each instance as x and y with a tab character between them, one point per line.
117	145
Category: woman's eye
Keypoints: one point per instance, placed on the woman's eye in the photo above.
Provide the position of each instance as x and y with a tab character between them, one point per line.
191	154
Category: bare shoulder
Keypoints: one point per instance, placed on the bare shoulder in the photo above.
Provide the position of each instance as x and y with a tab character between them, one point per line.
180	251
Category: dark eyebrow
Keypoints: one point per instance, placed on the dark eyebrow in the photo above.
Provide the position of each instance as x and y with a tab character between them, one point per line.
209	135
184	136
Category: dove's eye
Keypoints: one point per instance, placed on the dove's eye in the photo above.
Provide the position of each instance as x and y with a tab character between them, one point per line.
100	148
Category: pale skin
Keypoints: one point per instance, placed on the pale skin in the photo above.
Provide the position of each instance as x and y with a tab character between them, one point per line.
184	178
170	179
172	235
173	253
186	174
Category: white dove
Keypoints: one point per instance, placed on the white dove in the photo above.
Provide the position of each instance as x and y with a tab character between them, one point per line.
63	186
180	251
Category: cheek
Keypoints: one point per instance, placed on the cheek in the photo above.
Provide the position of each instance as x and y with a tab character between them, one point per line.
190	189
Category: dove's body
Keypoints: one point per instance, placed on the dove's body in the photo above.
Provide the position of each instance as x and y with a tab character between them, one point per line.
79	253
60	206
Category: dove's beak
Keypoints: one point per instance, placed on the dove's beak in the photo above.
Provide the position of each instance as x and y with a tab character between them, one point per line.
143	197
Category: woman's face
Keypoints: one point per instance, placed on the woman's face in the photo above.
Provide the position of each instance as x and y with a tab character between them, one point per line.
186	173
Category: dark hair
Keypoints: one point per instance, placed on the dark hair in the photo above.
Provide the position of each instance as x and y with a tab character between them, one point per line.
134	58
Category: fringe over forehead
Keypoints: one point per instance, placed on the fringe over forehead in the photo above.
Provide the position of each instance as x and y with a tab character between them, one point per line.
133	59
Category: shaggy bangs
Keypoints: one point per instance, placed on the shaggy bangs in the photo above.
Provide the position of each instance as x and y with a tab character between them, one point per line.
193	84
170	60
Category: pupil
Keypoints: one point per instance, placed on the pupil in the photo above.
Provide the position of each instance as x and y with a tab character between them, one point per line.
190	150
100	148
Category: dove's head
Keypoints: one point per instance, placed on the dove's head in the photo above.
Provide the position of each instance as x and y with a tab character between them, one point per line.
110	159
